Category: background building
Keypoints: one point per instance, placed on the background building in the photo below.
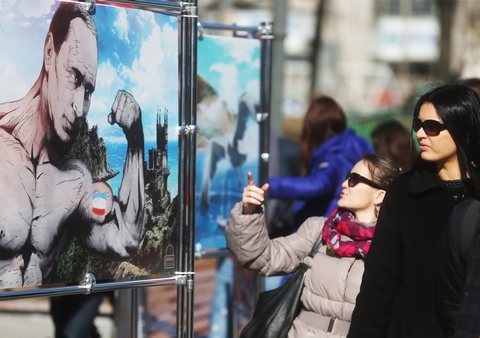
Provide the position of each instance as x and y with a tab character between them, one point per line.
374	56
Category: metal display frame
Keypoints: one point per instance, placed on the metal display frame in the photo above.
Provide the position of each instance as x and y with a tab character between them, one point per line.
187	13
264	32
187	130
89	285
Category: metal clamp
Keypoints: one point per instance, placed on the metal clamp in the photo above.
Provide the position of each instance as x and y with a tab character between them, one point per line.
190	284
182	276
188	10
200	30
189	129
89	282
266	30
180	280
184	273
88	4
261	117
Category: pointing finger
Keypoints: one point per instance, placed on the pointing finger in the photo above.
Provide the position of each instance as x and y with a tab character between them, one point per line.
250	179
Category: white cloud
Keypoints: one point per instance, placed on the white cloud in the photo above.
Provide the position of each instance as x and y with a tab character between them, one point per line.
121	25
7	16
148	74
98	113
144	18
242	51
108	82
228	81
35	8
149	77
13	85
6	5
107	76
253	88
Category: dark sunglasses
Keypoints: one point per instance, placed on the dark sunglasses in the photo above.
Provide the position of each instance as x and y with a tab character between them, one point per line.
354	178
430	127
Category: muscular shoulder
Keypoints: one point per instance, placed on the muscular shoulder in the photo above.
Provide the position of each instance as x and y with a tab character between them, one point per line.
11	148
17	168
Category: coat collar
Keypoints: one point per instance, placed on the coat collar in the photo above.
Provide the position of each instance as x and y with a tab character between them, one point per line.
425	179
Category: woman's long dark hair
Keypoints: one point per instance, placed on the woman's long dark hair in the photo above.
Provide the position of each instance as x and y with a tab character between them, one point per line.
324	118
459	108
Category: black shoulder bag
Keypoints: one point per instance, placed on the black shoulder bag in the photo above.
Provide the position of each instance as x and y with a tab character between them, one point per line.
276	309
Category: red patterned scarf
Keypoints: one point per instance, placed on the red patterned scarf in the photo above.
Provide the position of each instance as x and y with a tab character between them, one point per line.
341	223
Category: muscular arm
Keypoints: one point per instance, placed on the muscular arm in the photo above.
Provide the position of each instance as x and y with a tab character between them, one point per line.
118	233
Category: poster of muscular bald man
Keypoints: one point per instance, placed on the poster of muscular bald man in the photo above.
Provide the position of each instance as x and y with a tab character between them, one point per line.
88	165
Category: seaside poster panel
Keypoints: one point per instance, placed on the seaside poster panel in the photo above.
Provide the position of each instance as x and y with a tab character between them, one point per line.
89	154
228	97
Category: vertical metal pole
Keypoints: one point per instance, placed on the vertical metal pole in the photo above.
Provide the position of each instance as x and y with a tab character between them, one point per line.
279	31
266	30
183	175
187	149
192	146
123	313
134	316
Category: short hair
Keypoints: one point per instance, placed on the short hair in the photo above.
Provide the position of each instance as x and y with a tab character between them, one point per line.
323	118
459	108
63	16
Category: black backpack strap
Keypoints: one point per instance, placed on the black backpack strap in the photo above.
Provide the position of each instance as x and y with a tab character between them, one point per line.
469	223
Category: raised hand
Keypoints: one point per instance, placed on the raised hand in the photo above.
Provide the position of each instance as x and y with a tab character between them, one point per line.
253	196
127	114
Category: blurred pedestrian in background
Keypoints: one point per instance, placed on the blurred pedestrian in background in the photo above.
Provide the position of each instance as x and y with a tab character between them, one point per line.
328	150
394	141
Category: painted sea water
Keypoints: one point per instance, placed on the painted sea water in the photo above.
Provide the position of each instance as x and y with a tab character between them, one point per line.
226	189
116	160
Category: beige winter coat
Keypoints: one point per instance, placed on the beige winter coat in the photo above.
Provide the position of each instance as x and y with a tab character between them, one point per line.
331	284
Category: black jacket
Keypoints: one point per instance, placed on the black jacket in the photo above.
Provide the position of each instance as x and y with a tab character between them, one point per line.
456	249
396	297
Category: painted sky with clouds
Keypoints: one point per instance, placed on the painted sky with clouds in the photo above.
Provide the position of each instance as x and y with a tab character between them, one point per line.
231	66
138	52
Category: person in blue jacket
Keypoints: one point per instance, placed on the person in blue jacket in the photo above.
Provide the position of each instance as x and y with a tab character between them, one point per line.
328	150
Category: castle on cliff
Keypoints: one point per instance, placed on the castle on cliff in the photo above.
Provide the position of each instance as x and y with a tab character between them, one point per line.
158	170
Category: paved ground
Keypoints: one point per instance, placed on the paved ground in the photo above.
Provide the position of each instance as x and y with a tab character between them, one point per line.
29	318
39	325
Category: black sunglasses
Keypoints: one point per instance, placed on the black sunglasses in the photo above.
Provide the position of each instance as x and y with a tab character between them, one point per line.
430	127
354	178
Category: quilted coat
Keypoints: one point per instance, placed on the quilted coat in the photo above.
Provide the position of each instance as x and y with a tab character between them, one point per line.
331	284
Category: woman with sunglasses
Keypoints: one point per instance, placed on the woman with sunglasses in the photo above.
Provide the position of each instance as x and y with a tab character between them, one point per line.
396	297
336	270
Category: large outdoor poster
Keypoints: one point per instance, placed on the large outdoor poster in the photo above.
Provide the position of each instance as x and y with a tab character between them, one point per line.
228	97
88	142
